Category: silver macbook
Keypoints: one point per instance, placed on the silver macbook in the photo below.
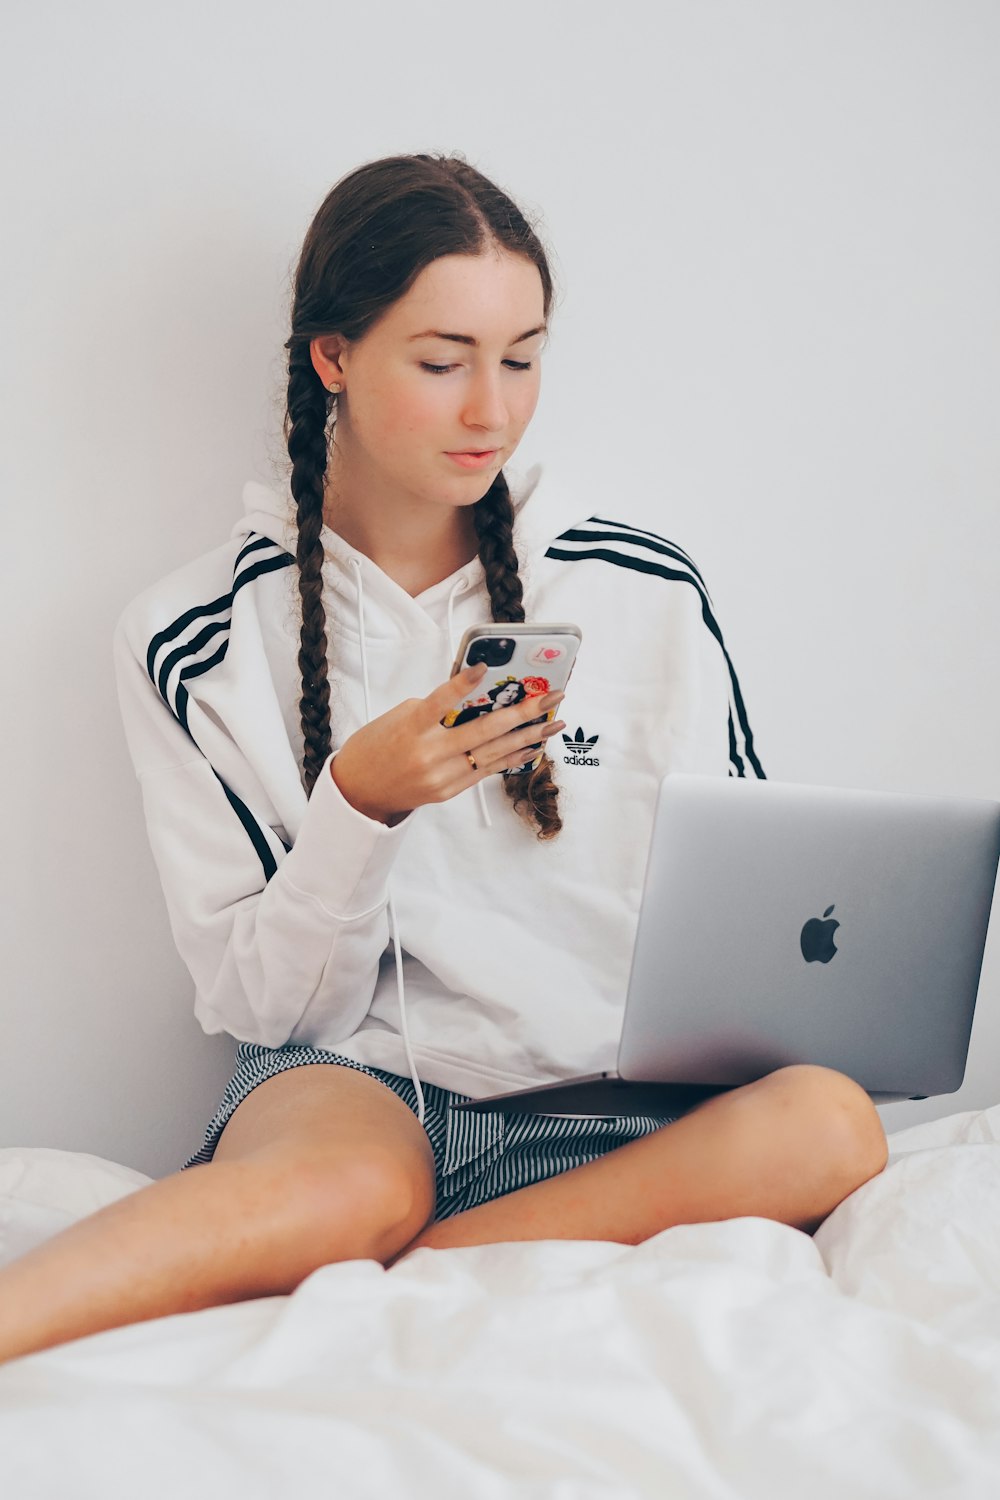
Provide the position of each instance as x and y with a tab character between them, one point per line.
784	923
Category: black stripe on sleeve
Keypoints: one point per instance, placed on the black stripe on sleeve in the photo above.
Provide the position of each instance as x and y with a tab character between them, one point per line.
189	648
638	532
253	828
646	565
163	637
269	565
222	608
653	544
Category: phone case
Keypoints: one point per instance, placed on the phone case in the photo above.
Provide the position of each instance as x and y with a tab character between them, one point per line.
523	660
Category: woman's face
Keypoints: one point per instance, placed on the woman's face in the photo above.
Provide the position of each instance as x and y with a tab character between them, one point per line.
397	420
508	694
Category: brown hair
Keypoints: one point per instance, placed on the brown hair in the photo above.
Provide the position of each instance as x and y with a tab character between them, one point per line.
372	235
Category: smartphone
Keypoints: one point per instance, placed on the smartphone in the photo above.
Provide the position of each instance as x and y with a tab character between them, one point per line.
523	660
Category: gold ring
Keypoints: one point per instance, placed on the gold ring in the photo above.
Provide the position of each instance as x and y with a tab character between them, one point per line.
471	759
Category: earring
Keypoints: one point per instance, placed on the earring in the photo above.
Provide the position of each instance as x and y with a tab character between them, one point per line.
335	387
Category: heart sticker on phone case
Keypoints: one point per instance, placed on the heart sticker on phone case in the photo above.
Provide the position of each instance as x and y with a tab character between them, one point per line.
545	655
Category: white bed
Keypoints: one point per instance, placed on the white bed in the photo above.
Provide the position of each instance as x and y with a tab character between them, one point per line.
736	1359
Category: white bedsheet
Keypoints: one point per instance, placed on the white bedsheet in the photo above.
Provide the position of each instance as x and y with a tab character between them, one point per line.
736	1359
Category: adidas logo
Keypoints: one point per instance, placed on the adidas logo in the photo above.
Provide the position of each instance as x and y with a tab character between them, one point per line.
578	747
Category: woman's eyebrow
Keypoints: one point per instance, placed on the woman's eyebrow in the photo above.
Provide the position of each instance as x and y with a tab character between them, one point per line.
466	338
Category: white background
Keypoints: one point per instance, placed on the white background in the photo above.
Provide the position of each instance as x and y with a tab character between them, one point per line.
775	231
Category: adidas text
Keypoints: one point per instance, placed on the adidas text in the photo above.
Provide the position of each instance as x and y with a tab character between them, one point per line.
576	746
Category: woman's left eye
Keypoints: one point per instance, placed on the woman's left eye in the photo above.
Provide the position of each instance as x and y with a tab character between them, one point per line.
443	369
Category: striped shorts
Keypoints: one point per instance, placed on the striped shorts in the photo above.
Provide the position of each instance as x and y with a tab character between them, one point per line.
477	1156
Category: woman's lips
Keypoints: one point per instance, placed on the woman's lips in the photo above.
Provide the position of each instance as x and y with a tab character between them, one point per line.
474	460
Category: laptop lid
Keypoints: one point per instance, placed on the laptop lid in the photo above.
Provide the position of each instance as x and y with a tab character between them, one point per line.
786	923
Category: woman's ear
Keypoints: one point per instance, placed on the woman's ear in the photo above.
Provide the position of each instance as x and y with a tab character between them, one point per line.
325	353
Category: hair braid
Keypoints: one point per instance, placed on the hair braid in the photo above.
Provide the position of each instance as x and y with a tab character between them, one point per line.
493	516
305	432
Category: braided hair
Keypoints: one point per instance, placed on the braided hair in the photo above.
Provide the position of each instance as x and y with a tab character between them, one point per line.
374	233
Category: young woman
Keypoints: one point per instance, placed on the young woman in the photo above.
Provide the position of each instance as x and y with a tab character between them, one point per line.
384	920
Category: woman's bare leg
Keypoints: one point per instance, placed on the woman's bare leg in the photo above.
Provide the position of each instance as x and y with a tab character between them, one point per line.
789	1147
318	1164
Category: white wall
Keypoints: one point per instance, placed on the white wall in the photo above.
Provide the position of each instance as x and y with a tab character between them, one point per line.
776	231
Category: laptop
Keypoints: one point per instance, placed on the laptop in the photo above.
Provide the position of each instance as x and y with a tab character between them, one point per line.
785	923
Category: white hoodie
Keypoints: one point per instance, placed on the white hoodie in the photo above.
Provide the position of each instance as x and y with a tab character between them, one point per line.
515	953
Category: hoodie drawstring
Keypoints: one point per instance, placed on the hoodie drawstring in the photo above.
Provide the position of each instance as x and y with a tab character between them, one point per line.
460	585
392	909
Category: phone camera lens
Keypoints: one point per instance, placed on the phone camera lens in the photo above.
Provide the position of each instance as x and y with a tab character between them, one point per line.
495	651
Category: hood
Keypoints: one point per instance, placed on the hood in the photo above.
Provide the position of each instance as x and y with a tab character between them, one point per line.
372	608
542	509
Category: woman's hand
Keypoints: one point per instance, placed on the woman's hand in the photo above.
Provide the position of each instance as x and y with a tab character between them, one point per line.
407	757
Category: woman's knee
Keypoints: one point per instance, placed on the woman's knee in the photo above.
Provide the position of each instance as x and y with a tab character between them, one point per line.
837	1111
356	1205
339	1154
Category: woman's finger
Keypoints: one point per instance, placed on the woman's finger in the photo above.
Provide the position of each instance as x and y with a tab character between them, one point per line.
493	726
449	693
510	750
527	733
528	738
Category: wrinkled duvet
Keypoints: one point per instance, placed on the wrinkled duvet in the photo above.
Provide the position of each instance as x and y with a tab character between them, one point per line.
735	1359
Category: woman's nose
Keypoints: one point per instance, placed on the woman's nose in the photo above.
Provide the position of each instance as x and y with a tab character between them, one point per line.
486	406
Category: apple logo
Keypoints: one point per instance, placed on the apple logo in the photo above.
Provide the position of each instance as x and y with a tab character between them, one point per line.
817	939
